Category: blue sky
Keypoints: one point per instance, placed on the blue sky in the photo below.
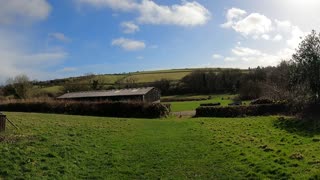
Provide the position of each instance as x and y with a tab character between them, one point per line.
48	39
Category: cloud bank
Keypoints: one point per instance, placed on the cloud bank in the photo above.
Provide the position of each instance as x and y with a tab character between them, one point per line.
185	14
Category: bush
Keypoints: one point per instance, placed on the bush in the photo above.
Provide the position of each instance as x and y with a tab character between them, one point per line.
108	109
239	111
310	111
262	101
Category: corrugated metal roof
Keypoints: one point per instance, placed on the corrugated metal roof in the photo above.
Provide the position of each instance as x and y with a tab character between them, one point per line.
110	93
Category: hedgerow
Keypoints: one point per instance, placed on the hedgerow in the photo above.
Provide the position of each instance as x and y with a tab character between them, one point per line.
108	109
239	111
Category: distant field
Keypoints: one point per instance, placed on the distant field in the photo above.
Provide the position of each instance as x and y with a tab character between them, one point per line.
53	89
108	79
80	147
151	77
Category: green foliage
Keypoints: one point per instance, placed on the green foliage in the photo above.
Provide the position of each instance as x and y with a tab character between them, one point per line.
306	63
19	86
212	81
79	147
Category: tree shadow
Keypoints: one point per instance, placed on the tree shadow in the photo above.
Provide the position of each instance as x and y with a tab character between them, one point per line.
307	127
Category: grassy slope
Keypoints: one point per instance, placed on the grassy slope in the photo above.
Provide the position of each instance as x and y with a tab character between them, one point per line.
60	146
151	77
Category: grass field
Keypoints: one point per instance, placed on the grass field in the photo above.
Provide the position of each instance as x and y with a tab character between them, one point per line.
224	99
80	147
151	77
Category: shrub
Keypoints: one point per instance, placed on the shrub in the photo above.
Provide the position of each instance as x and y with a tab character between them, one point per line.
262	101
238	111
310	111
210	104
109	109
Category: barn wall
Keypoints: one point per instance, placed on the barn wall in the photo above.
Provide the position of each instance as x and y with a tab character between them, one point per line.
152	96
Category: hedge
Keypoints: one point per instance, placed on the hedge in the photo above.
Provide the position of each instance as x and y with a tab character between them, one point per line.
240	111
262	101
108	109
210	104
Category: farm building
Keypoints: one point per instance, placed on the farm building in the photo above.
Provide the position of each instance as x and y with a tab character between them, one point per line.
148	94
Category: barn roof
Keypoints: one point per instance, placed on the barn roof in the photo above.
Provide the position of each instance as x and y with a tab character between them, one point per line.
109	93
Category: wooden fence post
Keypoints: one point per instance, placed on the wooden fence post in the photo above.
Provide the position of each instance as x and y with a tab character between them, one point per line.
3	119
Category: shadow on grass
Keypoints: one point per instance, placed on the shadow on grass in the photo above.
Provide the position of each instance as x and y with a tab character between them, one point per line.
303	127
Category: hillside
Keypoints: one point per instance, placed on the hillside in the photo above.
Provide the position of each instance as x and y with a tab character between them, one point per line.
110	80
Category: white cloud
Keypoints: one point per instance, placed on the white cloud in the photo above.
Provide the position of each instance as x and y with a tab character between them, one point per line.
244	57
278	37
258	26
217	56
60	37
129	27
17	58
265	37
185	14
244	52
129	44
124	5
255	24
230	59
283	26
296	35
12	11
233	14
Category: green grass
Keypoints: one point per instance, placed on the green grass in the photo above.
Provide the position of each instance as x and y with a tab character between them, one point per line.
80	147
151	77
107	79
192	105
53	89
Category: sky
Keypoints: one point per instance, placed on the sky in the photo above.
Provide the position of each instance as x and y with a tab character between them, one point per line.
48	39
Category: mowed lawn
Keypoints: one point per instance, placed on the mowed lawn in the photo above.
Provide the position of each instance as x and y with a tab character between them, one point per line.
80	147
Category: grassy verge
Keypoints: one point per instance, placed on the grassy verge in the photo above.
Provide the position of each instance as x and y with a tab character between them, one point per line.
73	147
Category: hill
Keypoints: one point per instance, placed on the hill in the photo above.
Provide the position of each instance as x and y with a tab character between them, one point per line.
112	80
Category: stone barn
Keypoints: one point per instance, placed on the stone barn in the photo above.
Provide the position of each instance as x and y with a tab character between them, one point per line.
148	94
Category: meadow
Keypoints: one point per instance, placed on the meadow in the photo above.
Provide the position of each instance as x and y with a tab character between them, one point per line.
81	147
